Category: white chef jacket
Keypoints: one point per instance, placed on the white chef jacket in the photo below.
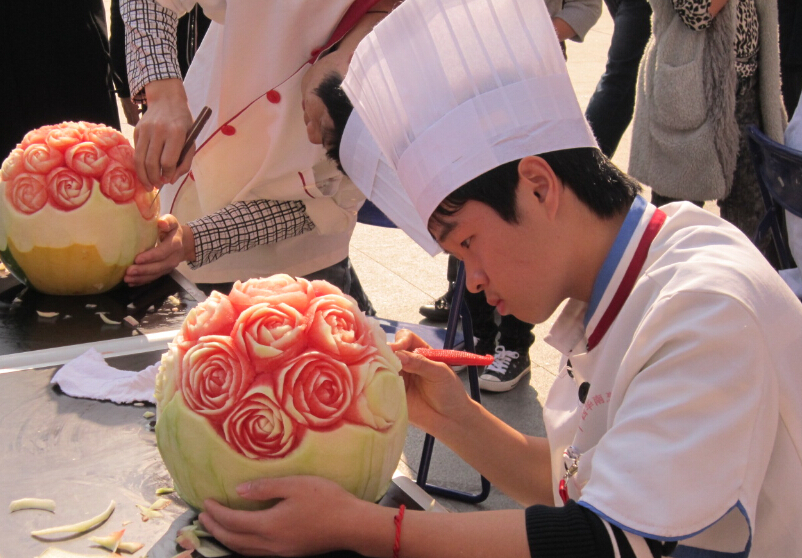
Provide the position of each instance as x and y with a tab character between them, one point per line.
248	70
691	428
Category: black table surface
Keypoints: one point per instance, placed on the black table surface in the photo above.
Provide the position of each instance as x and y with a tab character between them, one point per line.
83	453
22	329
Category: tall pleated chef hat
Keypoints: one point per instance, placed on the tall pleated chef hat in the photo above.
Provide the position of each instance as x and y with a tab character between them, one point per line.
446	90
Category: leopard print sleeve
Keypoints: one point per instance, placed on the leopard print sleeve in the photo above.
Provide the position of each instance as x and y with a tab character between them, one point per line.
696	15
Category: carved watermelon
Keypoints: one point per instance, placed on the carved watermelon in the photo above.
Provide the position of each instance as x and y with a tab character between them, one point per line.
73	214
281	377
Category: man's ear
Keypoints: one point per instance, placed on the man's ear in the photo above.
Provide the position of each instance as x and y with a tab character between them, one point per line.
537	178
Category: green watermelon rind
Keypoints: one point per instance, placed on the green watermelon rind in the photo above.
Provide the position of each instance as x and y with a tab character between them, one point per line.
12	265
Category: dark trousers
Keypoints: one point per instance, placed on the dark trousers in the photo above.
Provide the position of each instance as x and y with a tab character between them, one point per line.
610	109
341	274
512	332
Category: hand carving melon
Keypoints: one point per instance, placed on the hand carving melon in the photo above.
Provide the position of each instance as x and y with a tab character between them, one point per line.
281	377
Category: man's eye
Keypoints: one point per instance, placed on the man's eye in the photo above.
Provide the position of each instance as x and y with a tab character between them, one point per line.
466	243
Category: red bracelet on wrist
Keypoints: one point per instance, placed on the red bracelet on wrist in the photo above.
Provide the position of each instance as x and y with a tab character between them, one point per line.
397	520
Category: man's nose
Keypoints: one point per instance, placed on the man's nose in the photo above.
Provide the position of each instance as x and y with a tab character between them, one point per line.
475	279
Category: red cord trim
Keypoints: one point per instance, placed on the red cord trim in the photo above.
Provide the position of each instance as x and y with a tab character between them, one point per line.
303	183
628	282
397	520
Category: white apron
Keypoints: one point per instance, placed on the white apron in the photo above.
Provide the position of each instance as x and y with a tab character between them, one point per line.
248	70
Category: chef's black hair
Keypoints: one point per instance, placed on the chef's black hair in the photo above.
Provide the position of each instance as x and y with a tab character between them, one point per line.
593	178
339	106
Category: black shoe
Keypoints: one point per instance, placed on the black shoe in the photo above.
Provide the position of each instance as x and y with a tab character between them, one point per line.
438	310
507	369
486	346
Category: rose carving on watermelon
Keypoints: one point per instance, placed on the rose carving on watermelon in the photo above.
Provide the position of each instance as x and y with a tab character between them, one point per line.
73	214
283	376
67	189
41	158
270	334
118	183
60	137
27	192
259	427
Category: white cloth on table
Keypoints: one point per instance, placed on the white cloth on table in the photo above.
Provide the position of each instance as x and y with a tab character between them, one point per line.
90	377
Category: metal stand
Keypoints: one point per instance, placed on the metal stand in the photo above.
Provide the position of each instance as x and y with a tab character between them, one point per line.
457	302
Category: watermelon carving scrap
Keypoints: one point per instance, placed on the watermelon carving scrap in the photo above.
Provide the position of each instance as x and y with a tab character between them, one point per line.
73	214
281	377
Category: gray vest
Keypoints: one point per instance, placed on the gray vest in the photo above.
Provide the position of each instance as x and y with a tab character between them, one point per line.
685	136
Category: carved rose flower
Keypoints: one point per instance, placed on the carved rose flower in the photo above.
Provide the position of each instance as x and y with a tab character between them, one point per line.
123	154
12	166
62	138
27	192
214	376
259	428
41	158
118	183
315	389
270	334
338	328
214	316
272	290
36	136
87	158
105	137
67	189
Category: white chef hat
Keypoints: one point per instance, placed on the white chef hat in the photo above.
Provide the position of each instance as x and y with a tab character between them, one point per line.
446	90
